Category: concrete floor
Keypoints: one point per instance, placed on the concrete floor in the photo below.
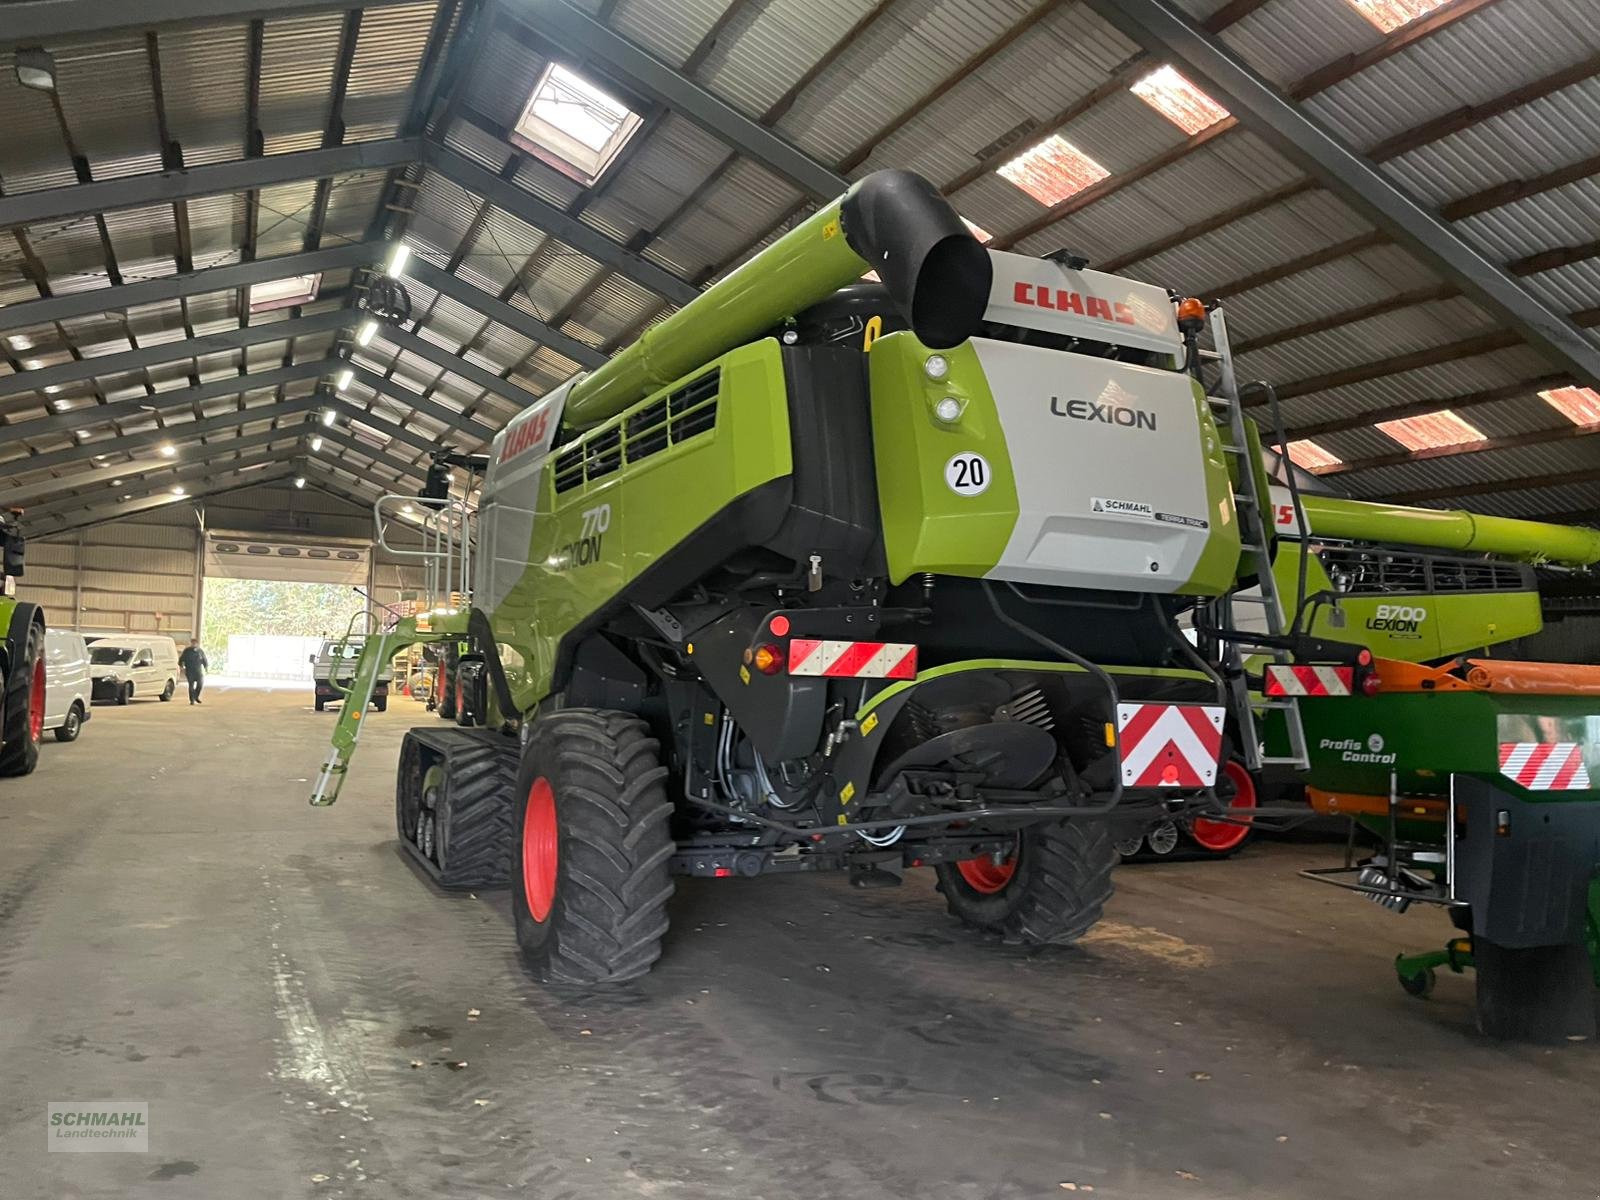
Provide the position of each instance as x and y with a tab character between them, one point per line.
306	1017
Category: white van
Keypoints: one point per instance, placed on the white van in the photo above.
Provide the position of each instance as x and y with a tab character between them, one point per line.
125	665
66	683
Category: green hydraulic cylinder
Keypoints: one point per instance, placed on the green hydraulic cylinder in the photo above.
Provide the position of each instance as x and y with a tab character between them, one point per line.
1448	529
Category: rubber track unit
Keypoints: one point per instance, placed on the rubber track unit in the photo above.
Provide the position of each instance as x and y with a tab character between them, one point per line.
612	885
1059	890
19	753
475	839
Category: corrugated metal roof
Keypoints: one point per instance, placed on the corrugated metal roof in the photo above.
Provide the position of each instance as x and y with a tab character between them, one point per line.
906	72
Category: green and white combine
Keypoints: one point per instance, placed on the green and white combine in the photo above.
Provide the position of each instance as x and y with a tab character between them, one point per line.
22	660
829	575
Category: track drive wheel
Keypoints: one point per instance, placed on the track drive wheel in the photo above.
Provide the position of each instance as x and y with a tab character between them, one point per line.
590	884
24	700
1050	890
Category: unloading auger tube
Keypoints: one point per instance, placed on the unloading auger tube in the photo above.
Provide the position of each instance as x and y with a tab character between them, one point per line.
893	222
1451	529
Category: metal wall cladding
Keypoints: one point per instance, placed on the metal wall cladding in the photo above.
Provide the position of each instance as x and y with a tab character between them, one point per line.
1045	71
500	251
1287	40
388	55
32	154
1472	60
669	31
204	73
284	211
106	94
1420	327
297	60
502	80
742	205
1433	385
911	50
766	48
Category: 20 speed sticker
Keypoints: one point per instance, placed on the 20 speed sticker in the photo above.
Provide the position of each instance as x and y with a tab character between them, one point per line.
967	474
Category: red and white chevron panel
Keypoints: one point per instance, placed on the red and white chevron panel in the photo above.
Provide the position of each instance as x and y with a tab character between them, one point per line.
1544	766
1302	679
1170	745
852	660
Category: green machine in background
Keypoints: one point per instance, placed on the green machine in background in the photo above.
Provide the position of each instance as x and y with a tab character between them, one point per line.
21	661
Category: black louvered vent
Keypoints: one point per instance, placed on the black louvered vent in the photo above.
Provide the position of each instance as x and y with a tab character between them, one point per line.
685	413
1379	572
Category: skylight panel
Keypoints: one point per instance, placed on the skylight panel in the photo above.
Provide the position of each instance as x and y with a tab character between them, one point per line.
574	126
1580	405
1389	15
1309	456
1053	171
1431	431
1178	100
284	293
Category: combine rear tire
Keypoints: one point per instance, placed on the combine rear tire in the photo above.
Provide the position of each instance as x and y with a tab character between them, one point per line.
449	661
590	887
24	700
1051	890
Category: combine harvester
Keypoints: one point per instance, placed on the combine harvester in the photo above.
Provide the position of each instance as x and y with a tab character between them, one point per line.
822	575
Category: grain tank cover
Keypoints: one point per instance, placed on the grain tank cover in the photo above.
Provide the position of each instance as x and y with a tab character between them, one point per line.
1035	293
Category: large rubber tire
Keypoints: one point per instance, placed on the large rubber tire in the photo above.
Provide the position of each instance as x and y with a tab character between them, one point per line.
1056	889
72	726
591	883
1542	994
168	691
23	727
321	703
125	693
447	681
381	703
474	844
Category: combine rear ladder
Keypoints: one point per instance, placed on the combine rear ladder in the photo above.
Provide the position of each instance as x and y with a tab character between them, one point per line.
1255	533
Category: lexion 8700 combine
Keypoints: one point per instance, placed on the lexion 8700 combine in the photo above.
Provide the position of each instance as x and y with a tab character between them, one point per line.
824	575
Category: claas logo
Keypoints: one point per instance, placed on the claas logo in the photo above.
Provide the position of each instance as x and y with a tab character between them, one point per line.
1035	295
530	433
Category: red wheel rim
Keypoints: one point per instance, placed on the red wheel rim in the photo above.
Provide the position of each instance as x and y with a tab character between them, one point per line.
983	874
36	702
539	849
1220	836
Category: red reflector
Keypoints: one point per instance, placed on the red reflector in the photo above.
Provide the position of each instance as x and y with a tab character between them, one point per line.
779	626
721	872
852	660
1365	658
1302	679
1371	685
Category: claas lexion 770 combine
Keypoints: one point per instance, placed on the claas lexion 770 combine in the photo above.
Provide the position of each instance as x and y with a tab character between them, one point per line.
828	575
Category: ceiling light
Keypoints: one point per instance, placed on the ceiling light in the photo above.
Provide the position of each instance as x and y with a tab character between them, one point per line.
369	330
1053	171
345	377
36	69
328	417
1178	100
299	481
167	449
398	257
179	491
316	444
61	405
1309	456
1431	431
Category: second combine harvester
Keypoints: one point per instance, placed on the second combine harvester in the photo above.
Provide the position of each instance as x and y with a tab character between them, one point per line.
823	575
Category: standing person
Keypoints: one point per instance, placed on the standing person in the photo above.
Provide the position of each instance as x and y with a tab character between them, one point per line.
192	662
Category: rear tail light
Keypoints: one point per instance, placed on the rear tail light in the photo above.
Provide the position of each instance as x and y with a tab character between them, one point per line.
768	659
